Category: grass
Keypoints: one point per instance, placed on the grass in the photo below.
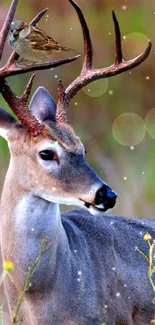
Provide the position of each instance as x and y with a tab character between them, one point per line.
8	267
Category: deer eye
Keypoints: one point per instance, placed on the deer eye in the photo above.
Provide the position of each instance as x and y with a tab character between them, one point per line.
48	155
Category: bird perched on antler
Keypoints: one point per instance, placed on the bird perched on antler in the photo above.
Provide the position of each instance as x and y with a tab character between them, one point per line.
32	43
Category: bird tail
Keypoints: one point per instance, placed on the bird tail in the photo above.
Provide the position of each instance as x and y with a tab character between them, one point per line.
66	49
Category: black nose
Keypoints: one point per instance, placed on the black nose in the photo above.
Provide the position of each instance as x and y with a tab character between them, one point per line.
106	196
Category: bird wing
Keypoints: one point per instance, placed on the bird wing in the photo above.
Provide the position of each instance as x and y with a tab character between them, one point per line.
39	40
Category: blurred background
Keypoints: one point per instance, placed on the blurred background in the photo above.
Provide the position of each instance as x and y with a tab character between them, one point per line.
114	117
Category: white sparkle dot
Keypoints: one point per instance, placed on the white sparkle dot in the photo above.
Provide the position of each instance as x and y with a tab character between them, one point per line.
46	19
141	233
143	173
55	76
79	272
125	285
129	72
113	268
110	92
47	16
78	279
105	306
51	68
32	229
75	251
76	103
109	33
132	148
142	223
71	28
124	7
125	178
136	248
118	294
147	78
89	89
129	297
124	37
53	189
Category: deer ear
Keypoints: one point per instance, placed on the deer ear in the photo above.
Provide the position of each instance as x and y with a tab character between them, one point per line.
6	122
43	106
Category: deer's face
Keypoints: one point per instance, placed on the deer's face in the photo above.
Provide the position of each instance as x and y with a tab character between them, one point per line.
53	166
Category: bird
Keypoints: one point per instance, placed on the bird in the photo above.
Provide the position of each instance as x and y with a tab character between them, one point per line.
32	43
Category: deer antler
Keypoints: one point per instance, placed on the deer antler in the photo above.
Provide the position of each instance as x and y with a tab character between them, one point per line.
19	107
18	104
88	73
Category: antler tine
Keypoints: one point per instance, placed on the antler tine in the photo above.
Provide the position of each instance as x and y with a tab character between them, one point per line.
88	73
118	44
6	25
87	66
27	90
13	69
88	49
61	116
19	107
37	18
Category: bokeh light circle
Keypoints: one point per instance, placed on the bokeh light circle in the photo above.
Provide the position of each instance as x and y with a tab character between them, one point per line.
150	123
134	44
128	129
97	88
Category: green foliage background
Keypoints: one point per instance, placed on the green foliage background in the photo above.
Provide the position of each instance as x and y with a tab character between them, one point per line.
93	117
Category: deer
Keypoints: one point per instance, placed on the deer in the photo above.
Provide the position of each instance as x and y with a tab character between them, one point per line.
90	271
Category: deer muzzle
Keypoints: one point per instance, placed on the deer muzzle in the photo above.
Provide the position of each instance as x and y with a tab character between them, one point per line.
105	198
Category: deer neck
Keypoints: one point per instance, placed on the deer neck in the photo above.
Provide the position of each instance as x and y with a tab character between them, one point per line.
26	220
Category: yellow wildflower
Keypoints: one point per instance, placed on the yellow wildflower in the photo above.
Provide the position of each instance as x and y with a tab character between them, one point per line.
147	236
8	266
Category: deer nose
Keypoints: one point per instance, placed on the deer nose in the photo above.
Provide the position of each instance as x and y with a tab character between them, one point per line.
105	196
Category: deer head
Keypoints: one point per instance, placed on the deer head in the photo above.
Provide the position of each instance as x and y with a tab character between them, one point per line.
49	156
